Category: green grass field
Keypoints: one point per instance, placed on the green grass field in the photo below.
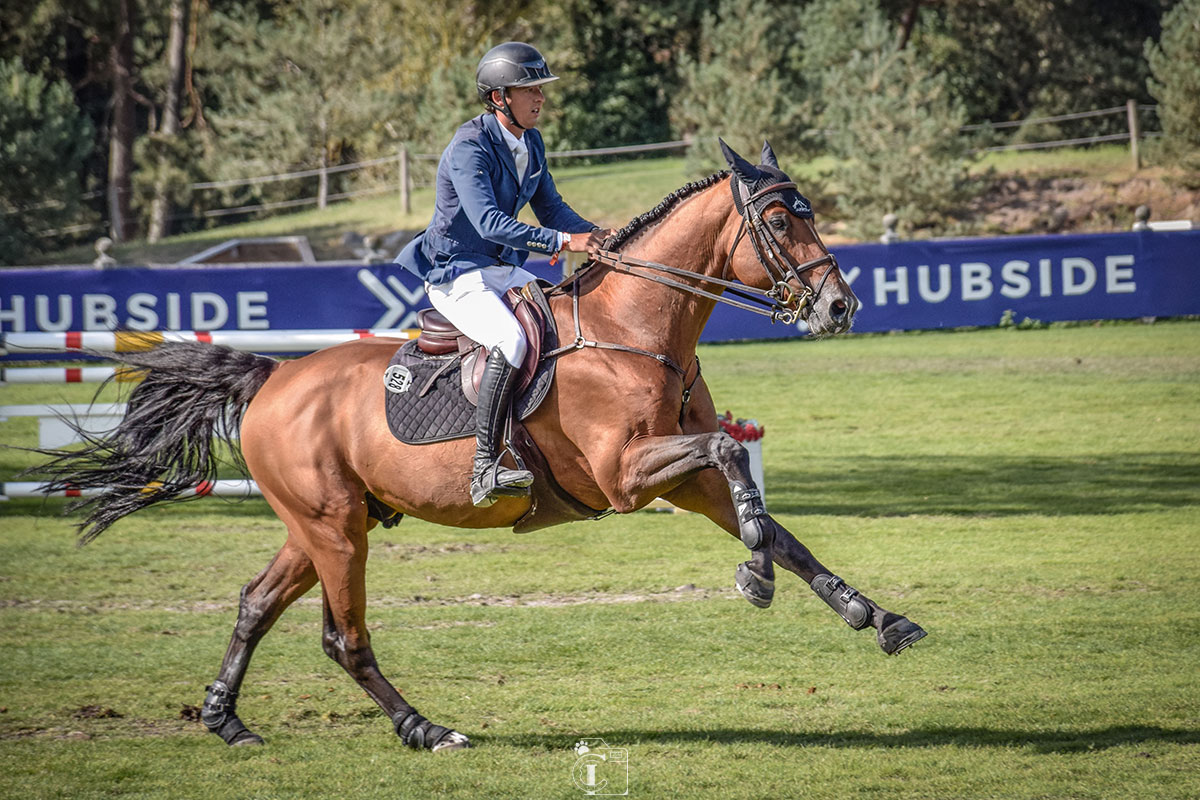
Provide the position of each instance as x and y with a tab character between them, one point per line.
1032	498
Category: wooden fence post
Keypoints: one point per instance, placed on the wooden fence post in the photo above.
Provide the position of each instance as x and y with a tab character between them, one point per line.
1135	133
405	191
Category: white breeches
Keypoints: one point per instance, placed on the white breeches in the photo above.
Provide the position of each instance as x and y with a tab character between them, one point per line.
472	302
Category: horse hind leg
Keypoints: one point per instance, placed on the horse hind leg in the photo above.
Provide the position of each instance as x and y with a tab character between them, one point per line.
289	575
345	639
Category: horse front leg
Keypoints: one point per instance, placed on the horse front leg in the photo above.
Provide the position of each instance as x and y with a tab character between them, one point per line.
654	466
895	632
703	493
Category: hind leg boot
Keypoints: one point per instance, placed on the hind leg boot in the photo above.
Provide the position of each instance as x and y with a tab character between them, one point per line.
220	717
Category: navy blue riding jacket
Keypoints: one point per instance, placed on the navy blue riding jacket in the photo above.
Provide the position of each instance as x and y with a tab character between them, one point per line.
478	197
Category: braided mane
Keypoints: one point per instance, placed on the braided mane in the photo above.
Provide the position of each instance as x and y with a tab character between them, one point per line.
662	209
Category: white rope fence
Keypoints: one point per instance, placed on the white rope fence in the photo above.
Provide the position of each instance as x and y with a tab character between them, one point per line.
404	159
678	144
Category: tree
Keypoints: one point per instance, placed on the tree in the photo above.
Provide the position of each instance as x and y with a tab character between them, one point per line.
618	60
1175	64
742	85
122	75
44	141
890	118
298	88
100	48
432	81
169	126
1019	58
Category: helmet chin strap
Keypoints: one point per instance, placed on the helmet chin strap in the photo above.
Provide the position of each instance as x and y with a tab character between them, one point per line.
507	110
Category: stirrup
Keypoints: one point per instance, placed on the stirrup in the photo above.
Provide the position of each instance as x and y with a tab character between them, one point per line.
495	481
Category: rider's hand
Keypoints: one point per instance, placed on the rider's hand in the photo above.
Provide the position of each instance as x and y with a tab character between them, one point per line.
588	243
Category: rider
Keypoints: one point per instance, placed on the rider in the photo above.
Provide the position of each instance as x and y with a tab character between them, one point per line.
472	251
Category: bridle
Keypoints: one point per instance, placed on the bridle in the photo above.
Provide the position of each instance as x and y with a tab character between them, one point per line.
780	303
774	258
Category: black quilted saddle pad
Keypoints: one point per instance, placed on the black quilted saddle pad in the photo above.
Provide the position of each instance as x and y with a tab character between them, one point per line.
425	402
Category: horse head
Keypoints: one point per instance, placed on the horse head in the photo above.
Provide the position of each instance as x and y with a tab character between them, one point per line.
785	251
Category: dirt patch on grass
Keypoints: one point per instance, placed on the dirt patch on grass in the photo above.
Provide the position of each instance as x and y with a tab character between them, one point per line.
408	552
534	600
563	600
96	712
1017	204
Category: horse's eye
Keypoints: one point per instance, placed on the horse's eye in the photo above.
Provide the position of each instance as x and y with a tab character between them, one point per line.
778	222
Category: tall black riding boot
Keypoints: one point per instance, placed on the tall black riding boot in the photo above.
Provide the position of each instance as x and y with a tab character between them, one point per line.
491	480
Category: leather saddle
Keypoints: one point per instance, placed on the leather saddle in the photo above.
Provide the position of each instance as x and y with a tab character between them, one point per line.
439	337
429	414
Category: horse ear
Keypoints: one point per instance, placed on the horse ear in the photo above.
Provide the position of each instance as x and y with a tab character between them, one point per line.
745	171
768	155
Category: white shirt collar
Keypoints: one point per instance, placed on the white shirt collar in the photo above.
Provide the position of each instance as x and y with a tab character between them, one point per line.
512	141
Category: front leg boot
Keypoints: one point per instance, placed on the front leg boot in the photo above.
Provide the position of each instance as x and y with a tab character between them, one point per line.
755	578
754	525
420	734
843	599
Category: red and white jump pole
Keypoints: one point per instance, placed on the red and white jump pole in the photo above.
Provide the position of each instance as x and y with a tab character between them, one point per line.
70	342
220	488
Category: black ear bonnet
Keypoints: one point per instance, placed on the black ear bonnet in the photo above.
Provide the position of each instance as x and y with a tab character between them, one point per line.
764	184
786	194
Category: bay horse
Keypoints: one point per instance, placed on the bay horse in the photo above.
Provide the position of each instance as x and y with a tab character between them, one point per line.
627	419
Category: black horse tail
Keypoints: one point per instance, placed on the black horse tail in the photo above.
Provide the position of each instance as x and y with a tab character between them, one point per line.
191	392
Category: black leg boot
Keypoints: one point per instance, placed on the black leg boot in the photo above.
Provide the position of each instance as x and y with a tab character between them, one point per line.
491	480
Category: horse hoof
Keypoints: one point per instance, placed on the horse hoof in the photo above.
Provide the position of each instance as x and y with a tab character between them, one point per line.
759	591
452	741
420	734
901	634
233	732
247	739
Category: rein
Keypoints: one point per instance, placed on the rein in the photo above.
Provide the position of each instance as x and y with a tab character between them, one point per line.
779	303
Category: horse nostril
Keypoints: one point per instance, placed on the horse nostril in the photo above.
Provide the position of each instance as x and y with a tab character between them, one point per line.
838	309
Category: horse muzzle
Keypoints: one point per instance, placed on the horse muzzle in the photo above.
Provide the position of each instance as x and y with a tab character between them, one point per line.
833	311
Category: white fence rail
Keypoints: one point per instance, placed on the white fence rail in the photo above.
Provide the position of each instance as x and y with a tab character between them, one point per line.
55	428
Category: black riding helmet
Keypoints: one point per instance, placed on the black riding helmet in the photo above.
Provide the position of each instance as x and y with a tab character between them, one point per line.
507	65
